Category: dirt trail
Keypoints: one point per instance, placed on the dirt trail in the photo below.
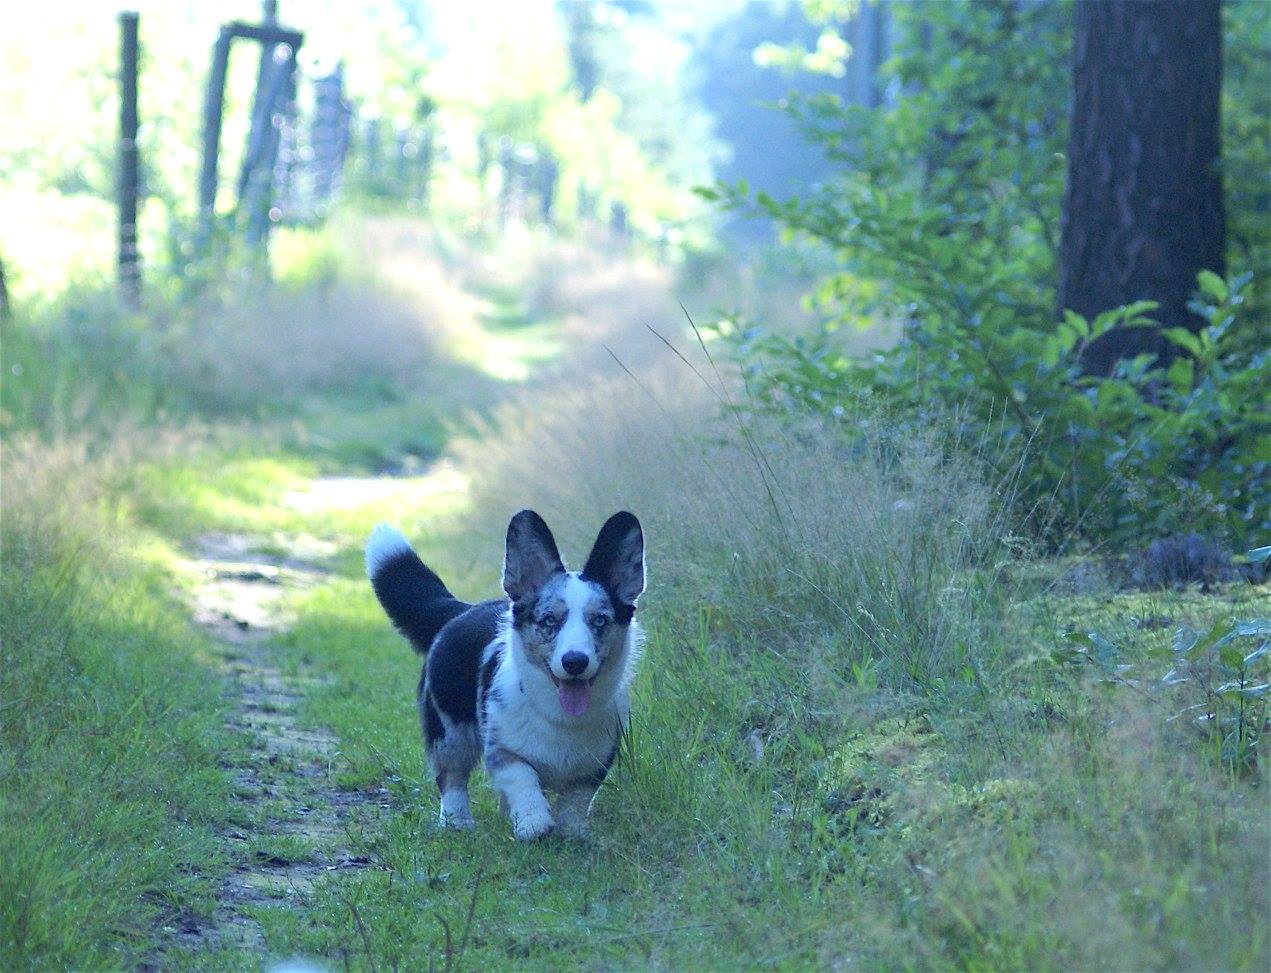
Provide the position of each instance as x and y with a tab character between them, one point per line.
298	820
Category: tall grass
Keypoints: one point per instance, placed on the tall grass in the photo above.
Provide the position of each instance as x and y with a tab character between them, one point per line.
846	720
111	731
850	550
243	348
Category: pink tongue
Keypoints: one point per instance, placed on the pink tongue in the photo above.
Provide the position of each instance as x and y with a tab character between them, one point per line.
575	697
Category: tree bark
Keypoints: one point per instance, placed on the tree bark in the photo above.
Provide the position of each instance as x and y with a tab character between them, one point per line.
1143	213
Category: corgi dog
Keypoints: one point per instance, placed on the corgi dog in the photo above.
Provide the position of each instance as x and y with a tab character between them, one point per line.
535	683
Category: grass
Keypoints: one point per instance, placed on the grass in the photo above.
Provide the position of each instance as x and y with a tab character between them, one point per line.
851	744
112	727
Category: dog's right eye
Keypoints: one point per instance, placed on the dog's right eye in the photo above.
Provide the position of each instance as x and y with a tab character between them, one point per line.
549	623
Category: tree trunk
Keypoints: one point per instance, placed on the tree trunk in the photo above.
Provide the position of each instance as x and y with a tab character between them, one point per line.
4	294
1143	213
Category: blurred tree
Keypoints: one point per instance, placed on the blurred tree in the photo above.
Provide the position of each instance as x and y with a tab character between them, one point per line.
1143	213
741	95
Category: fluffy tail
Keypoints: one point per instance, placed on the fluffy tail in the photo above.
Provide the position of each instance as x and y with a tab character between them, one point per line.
414	598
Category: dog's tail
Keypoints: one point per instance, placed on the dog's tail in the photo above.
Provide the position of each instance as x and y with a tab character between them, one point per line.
413	597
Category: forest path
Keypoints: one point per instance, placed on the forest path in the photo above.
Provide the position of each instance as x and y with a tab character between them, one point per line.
297	821
334	804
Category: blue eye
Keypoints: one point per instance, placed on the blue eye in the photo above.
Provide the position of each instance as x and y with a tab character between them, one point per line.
599	623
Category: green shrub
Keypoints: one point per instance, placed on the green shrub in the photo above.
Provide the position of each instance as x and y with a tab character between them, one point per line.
1148	451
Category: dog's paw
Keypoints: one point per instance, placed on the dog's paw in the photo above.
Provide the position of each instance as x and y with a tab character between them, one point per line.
455	812
532	825
458	820
573	826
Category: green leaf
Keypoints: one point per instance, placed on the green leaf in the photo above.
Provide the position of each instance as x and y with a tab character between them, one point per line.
1211	285
1207	641
1105	651
1181	374
1254	626
1230	656
1259	555
1257	653
1184	339
1078	323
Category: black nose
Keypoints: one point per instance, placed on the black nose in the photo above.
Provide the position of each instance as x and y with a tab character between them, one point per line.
574	662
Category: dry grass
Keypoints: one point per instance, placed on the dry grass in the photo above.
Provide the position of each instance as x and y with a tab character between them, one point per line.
846	543
287	345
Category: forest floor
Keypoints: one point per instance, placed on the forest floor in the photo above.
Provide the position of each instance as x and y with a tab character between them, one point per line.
768	812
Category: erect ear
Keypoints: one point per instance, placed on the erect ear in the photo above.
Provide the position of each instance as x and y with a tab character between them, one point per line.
616	562
530	558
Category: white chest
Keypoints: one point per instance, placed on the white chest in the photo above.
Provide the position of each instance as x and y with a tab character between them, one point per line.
562	754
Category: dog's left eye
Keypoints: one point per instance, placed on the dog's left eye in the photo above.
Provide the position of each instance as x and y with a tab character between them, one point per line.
599	623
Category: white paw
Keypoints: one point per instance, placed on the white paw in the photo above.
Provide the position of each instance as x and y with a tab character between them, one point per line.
455	812
458	821
531	825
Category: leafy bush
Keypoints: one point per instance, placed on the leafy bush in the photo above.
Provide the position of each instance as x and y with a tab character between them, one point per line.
1230	677
1149	450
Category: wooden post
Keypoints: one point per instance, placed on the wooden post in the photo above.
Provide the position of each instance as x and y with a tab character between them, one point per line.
260	113
269	18
425	161
129	163
213	107
401	164
258	191
328	136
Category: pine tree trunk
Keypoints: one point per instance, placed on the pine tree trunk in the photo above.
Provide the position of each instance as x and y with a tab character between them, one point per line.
1143	212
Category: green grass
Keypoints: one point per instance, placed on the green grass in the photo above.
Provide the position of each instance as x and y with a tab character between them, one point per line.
1049	823
112	745
851	745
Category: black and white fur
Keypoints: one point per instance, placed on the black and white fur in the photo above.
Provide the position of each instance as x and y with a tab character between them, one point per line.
504	679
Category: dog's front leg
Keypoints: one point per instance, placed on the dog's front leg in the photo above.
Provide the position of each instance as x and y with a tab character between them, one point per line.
518	787
572	809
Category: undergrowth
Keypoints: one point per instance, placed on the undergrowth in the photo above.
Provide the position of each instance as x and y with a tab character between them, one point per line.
112	736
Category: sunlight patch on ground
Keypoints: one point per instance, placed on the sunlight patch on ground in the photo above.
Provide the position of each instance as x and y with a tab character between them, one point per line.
506	355
475	331
443	488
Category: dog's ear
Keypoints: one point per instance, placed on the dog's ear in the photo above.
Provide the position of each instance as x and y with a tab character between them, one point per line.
530	557
616	562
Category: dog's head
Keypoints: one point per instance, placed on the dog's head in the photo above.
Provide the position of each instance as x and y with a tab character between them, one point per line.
573	624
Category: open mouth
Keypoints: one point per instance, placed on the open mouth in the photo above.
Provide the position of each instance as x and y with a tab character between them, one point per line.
574	694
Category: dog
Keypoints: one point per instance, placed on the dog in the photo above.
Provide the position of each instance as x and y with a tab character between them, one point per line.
535	683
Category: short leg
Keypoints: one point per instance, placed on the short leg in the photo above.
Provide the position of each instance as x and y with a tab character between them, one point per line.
572	810
517	784
452	753
455	812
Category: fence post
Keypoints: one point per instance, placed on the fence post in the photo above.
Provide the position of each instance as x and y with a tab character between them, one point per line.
129	163
328	136
372	149
548	174
213	107
425	160
257	193
268	18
